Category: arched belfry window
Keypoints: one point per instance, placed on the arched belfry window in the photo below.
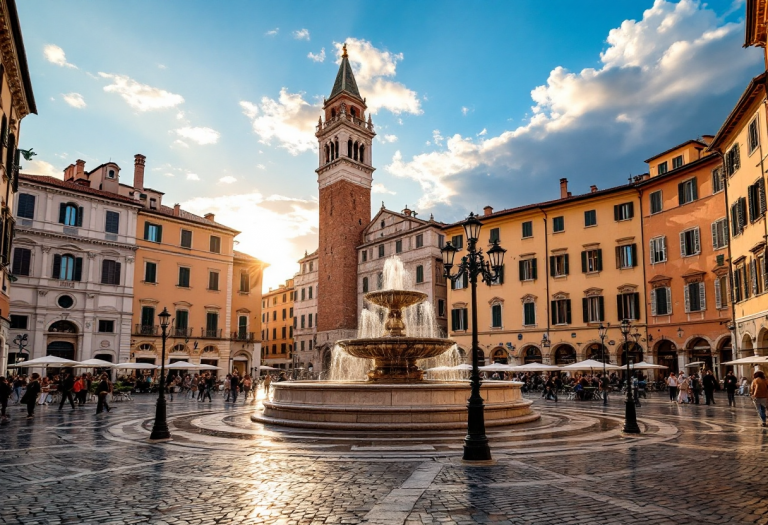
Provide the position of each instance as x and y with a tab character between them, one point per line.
333	113
332	151
349	148
337	148
356	147
362	153
353	111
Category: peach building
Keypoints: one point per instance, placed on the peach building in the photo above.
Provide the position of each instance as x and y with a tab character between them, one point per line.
685	228
571	264
277	324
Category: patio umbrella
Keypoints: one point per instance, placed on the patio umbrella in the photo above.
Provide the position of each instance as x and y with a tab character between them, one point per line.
265	367
94	363
642	365
695	364
495	367
136	366
49	360
534	367
207	367
181	365
590	364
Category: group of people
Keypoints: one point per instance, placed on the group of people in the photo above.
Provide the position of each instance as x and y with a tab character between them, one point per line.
687	389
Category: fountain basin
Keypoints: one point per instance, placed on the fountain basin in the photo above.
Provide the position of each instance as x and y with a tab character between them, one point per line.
428	405
395	357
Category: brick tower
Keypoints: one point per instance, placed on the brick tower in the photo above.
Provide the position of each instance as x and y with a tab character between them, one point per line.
344	178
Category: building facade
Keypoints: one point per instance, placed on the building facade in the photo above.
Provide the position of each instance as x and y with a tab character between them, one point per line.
305	316
16	102
277	323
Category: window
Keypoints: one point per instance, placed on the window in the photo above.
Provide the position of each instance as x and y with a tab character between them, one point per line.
658	251
732	160
623	212
283	333
496	316
440	308
303	321
284	314
245	282
677	162
309	318
419	274
182	322
695	297
756	199
215	244
110	272
756	273
527	269
67	267
689	242
628	306
365	255
70	214
274	315
147	319
242	326
661	301
753	137
65	301
457	241
558	224
310	292
561	311
527	229
626	256
592	261
150	272
459	283
107	327
721	292
419	240
290	312
459	320
495	236
184	275
19	322
499	279
593	309
657	204
558	265
738	216
381	251
529	313
186	238
22	261
26	208
720	233
661	169
738	284
112	222
590	218
211	324
111	174
153	232
213	280
440	241
718	181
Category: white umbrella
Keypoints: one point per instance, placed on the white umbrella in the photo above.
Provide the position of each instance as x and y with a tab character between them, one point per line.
181	365
642	365
94	363
495	367
535	367
752	359
695	364
207	367
265	367
590	364
49	360
136	366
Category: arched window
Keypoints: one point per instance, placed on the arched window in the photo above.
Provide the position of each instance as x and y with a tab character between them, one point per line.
67	268
337	148
362	153
179	348
333	113
332	151
353	111
327	154
146	347
355	155
365	284
349	148
496	316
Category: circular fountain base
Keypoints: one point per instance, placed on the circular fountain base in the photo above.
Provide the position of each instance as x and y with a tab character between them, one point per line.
426	405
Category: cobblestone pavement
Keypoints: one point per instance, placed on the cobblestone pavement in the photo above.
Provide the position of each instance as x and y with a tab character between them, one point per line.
692	464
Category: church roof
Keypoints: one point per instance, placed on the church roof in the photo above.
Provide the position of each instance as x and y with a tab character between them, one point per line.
345	79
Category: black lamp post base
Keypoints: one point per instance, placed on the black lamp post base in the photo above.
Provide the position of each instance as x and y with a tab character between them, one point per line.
160	431
476	449
630	418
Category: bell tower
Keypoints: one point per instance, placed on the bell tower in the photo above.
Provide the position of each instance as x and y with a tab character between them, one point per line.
344	177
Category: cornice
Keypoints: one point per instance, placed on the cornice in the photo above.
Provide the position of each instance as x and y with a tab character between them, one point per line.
341	161
53	235
81	195
12	67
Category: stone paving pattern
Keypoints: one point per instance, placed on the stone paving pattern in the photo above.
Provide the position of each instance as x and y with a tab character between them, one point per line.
74	467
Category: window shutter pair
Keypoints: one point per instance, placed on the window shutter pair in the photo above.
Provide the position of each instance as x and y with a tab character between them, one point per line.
22	259
552	265
26	206
112	222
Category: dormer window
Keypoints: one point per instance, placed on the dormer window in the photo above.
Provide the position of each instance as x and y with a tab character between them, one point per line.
111	174
153	204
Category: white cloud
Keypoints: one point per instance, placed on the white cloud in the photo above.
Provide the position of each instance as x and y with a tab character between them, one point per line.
261	166
483	133
199	135
272	32
40	167
656	85
373	68
192	176
388	138
290	121
75	100
379	188
437	138
465	110
162	66
320	57
55	55
301	34
293	228
141	96
180	143
229	179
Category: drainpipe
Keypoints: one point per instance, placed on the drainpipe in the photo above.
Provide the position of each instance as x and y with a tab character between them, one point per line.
546	273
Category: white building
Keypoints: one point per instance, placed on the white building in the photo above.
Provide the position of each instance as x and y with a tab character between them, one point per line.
73	257
305	311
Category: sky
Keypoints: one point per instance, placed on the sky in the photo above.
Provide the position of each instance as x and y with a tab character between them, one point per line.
474	103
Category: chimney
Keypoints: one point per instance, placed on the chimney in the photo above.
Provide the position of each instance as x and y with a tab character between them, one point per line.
176	210
593	188
563	188
138	171
79	169
69	172
209	217
488	210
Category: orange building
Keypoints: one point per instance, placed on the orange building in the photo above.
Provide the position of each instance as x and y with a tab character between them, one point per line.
278	324
685	228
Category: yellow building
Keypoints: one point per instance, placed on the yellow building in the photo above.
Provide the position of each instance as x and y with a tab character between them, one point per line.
571	264
278	324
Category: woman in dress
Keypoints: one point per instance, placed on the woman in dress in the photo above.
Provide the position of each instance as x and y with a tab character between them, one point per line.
683	385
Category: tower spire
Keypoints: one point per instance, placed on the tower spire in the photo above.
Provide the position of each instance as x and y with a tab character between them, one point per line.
345	79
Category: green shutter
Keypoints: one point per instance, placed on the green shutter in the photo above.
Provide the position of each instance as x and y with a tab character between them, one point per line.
599	259
585	309
533	268
584	262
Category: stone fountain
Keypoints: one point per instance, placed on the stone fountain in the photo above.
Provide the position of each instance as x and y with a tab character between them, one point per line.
395	396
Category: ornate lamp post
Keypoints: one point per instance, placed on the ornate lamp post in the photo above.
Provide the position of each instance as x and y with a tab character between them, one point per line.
630	416
472	266
160	430
602	331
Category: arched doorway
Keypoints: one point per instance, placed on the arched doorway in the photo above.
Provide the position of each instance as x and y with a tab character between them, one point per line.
725	354
700	351
499	355
531	354
634	350
666	354
565	355
240	363
598	352
63	349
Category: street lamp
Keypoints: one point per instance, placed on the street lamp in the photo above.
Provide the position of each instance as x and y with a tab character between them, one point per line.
160	430
602	331
630	416
472	266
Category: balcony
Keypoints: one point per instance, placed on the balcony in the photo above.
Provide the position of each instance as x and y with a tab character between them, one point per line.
186	333
210	334
146	329
244	337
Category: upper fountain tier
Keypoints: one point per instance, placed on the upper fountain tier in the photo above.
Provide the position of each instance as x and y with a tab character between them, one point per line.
395	301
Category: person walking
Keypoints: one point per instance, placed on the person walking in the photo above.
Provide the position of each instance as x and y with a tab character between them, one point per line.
730	387
66	385
267	382
247	384
209	383
18	384
695	388
103	389
5	394
710	384
79	390
234	386
30	396
758	391
672	384
682	386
